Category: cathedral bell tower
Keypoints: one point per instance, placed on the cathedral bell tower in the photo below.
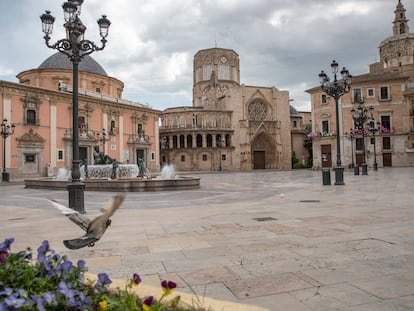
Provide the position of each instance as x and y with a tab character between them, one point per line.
398	50
400	21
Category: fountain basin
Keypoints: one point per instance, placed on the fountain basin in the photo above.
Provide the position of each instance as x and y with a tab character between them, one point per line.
119	185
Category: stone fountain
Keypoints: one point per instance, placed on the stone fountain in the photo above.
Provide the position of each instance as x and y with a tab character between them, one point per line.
114	176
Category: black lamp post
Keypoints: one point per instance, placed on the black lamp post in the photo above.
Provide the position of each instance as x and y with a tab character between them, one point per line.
336	89
360	116
75	47
373	129
6	131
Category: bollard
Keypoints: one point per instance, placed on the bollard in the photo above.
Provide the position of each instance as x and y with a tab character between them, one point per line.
326	176
356	170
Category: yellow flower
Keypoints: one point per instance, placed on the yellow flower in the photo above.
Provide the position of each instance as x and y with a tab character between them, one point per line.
103	305
167	291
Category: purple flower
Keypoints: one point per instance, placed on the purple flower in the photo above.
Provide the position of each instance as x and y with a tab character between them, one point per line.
82	265
6	292
14	302
42	250
49	298
136	278
102	283
6	244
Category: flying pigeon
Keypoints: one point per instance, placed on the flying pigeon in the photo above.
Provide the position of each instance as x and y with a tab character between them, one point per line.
94	228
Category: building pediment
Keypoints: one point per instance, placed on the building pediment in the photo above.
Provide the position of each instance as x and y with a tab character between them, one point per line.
30	138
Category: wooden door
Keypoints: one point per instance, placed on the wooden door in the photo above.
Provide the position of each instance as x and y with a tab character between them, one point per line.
259	160
326	155
387	159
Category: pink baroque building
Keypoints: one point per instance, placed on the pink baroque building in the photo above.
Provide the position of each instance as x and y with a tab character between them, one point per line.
40	107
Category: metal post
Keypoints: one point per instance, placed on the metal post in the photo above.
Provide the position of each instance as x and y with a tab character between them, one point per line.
339	169
375	152
364	163
75	47
4	174
6	131
76	188
336	89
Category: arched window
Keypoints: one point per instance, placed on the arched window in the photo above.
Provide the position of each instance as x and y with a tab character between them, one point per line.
402	28
82	123
207	70
175	141
209	140
199	141
182	141
189	141
224	72
219	141
140	129
228	140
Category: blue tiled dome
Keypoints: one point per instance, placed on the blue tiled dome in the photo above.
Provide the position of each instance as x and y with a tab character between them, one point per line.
61	61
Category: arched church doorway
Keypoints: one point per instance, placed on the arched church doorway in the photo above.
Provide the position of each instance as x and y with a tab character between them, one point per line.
264	152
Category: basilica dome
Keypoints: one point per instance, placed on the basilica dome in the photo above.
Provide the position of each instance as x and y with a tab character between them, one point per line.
61	61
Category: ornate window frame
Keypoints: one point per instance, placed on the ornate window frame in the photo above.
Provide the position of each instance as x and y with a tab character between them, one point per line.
31	104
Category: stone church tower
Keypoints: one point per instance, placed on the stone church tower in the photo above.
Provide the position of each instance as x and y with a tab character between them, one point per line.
398	50
230	126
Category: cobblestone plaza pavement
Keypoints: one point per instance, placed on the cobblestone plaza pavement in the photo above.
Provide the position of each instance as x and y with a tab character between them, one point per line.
278	240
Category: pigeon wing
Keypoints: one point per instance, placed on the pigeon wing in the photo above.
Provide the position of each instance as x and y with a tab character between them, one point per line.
79	219
98	225
113	205
79	242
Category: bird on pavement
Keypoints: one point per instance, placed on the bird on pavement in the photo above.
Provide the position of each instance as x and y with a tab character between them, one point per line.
94	228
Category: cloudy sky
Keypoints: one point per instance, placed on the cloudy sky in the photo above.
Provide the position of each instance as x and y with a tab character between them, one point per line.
151	44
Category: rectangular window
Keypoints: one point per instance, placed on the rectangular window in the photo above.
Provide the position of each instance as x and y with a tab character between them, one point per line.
30	116
152	155
204	157
325	126
324	99
223	157
183	158
386	142
357	95
60	155
295	123
30	157
370	92
384	93
359	144
386	122
372	140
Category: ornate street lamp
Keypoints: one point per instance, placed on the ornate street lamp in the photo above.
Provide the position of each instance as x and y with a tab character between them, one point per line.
373	129
6	131
360	116
336	89
75	47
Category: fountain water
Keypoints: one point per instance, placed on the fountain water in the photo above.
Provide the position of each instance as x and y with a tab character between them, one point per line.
168	172
120	178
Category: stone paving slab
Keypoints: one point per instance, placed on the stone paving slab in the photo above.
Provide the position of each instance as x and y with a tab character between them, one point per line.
277	240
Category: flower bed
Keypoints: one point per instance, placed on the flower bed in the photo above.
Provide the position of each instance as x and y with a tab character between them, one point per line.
52	282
